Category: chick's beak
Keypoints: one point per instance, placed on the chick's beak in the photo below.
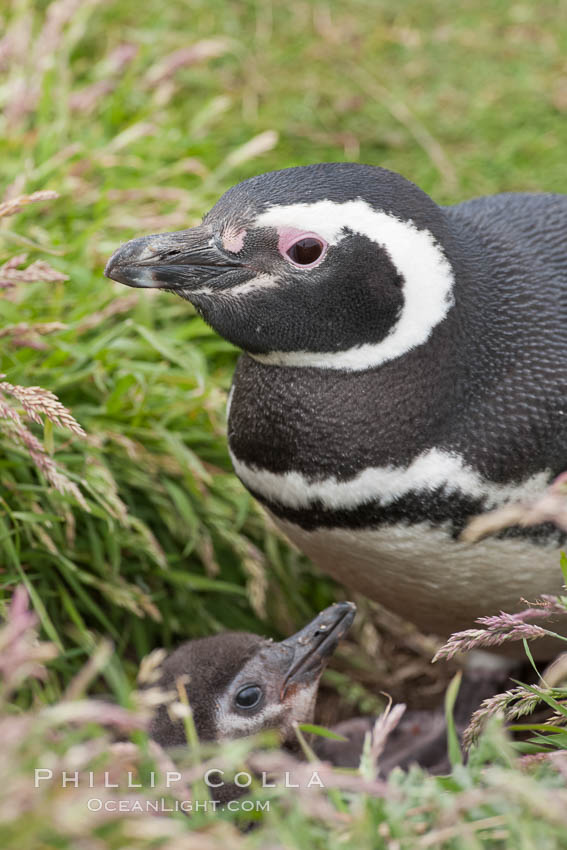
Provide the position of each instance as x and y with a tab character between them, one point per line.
313	645
181	260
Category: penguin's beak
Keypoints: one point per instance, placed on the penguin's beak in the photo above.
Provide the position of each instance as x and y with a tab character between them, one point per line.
180	260
313	645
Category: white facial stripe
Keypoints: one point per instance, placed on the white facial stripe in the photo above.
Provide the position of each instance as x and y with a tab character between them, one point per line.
260	282
230	725
302	705
431	470
427	274
281	715
229	401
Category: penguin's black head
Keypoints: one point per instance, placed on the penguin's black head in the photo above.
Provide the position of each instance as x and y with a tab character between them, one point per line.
239	684
335	265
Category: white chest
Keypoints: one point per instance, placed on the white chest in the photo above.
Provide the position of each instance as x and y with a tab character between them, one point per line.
424	575
415	569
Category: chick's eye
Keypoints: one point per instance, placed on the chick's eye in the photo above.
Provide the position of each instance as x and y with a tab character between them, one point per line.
248	697
305	251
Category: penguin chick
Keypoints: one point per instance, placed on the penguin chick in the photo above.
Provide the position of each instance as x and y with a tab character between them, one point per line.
239	684
404	369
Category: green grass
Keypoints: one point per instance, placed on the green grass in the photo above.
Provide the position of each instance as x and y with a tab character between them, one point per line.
463	99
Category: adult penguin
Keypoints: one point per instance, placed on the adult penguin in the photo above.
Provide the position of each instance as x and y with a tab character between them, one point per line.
404	368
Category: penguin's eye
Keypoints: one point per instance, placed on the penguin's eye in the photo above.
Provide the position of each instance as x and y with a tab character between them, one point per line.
248	697
305	251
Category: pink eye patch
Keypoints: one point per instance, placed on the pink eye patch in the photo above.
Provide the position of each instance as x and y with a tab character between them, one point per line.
301	248
233	240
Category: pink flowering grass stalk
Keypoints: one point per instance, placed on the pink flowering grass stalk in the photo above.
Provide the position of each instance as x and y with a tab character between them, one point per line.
503	628
22	405
499	629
